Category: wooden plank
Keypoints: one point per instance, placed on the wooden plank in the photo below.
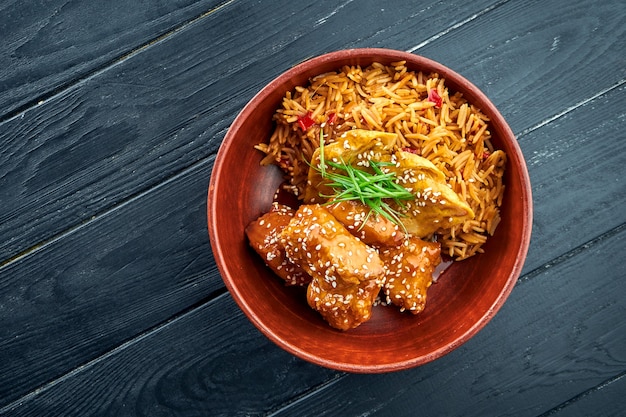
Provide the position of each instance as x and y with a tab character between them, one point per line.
216	366
54	357
514	366
105	144
523	363
173	237
577	184
49	45
533	59
606	399
130	127
105	283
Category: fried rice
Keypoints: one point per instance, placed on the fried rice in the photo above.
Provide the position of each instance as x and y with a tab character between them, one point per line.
428	119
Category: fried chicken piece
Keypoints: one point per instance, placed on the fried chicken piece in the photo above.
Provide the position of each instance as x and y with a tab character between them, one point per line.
347	274
263	235
376	231
408	270
344	307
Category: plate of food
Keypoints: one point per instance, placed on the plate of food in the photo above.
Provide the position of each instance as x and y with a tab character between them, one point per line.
369	210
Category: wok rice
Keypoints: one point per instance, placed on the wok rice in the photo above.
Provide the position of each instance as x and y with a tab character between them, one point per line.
430	120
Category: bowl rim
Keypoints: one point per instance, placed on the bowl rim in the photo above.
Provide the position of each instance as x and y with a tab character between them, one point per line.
413	60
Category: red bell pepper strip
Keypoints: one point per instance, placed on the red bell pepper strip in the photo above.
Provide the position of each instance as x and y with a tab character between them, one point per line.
305	122
435	97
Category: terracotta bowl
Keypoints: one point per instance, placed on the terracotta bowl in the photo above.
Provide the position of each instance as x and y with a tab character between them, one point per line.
459	304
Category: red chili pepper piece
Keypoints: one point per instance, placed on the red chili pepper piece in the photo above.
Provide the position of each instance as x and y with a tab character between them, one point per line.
486	154
331	118
284	162
305	122
435	97
410	150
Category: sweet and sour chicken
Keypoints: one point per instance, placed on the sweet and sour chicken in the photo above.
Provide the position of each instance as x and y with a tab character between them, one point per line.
346	273
370	229
264	237
347	255
343	266
408	272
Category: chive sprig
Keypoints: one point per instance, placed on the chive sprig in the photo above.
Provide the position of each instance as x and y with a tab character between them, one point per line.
375	190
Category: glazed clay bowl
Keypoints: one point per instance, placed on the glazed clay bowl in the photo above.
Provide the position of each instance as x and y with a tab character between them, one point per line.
459	305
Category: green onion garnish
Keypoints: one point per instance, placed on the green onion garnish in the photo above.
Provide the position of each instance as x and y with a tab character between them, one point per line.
375	190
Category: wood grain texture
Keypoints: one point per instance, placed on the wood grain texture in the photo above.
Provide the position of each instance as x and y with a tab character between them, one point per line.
152	115
563	353
101	144
189	367
529	345
107	139
578	187
106	282
186	367
47	45
518	55
605	399
103	187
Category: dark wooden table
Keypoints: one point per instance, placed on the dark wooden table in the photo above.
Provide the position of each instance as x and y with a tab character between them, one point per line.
111	114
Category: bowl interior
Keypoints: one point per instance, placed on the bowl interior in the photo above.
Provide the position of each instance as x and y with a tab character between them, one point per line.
459	304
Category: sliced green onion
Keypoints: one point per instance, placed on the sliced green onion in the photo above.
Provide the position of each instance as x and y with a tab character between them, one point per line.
374	190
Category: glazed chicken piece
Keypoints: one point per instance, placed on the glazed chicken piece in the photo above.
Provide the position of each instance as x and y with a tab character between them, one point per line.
353	147
346	273
408	270
436	206
263	235
376	231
